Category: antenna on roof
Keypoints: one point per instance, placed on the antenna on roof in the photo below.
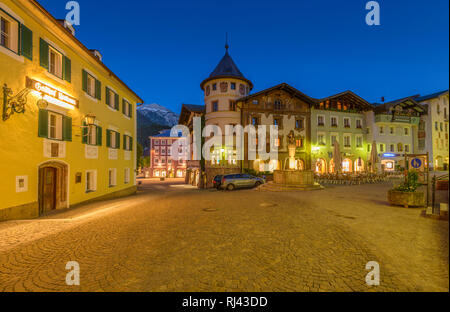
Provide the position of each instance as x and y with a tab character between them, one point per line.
226	41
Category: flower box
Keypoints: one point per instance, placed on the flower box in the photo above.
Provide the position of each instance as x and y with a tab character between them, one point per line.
406	199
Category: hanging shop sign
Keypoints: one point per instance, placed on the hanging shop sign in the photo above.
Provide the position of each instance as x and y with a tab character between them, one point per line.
51	94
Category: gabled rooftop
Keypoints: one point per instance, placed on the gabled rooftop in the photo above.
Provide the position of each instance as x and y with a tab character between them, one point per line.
430	96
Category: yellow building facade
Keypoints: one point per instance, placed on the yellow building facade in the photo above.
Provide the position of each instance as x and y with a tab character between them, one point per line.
67	124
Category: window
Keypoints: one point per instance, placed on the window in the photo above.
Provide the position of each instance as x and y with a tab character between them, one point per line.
391	130
406	130
334	121
126	176
406	148
92	135
320	121
233	86
54	126
157	150
392	148
346	122
215	106
400	147
333	139
441	126
163	142
347	140
255	102
381	128
156	142
358	123
299	123
277	142
9	32
112	177
321	139
112	99
91	181
112	139
382	148
436	126
127	143
214	86
232	105
277	122
277	104
359	141
55	62
163	150
255	121
299	142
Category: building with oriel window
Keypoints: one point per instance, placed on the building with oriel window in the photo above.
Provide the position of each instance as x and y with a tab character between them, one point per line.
67	125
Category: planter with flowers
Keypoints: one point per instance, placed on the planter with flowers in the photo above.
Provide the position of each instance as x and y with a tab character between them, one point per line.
406	194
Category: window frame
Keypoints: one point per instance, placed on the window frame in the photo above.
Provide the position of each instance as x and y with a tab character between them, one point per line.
53	50
11	20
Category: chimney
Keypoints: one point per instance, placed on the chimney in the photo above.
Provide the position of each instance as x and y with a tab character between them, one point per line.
97	54
67	26
382	99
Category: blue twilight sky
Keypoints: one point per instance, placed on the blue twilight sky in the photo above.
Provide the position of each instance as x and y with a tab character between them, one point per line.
164	49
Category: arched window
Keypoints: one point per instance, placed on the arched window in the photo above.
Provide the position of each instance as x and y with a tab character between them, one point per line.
400	147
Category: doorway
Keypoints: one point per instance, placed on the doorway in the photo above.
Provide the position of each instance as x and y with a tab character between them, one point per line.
52	187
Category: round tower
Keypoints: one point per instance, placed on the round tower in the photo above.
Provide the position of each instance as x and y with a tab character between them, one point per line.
222	88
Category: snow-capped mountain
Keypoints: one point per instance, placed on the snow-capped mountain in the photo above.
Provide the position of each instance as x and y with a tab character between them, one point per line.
158	114
151	118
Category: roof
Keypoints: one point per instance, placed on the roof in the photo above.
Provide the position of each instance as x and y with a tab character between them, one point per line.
282	86
226	69
352	97
194	108
82	46
165	134
187	110
404	102
430	96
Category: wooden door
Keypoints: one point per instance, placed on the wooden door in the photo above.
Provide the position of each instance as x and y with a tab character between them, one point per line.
48	189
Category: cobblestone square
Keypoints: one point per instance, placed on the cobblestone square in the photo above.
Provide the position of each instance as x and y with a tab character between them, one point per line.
172	237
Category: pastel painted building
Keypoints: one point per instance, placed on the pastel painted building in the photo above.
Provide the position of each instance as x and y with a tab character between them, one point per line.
163	162
67	127
434	129
340	118
394	126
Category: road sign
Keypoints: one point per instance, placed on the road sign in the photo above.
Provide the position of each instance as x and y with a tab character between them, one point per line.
416	163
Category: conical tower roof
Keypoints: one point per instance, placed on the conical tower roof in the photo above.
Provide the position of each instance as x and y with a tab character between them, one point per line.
226	68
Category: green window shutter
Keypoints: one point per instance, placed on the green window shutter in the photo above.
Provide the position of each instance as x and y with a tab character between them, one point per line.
43	123
108	138
67	66
124	142
84	80
107	95
98	89
84	133
99	136
117	140
130	110
26	36
116	104
43	53
123	105
67	128
131	143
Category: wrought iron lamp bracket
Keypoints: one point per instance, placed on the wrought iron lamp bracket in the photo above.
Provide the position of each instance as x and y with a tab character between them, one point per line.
14	103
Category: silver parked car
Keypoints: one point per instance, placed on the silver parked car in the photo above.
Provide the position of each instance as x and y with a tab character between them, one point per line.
241	180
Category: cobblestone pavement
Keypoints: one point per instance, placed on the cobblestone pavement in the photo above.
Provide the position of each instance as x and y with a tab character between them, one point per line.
176	238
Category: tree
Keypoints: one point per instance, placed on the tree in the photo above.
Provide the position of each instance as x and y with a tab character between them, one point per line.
139	152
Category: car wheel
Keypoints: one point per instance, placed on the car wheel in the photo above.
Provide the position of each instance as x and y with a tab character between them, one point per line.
257	183
230	187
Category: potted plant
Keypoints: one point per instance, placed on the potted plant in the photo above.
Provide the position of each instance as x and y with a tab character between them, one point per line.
406	194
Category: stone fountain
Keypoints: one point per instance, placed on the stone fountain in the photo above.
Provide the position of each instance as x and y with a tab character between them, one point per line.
293	176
